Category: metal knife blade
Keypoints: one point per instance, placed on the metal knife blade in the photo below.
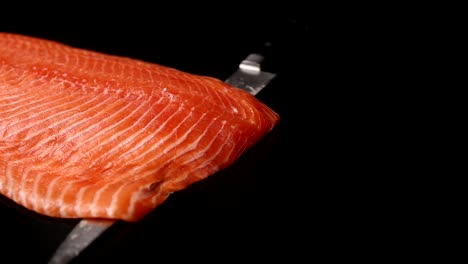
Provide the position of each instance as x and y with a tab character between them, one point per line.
248	77
85	232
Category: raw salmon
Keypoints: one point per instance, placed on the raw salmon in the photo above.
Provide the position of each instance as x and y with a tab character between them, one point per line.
91	135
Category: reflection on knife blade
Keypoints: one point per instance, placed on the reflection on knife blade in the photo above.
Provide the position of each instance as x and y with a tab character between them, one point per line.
86	231
248	77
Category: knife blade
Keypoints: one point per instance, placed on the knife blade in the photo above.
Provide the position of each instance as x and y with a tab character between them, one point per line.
249	77
81	236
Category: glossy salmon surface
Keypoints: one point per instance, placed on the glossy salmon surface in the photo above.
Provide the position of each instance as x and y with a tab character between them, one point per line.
91	135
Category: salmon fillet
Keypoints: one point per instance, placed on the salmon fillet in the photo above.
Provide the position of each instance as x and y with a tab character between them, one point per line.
91	135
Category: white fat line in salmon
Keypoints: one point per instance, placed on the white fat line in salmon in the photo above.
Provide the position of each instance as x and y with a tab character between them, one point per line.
39	175
175	177
34	96
89	128
228	102
45	163
117	133
49	107
152	135
161	141
140	175
231	155
130	140
12	104
34	197
208	149
95	125
82	121
191	146
23	181
98	193
9	180
47	200
106	130
146	175
101	101
160	128
21	93
51	187
35	100
181	177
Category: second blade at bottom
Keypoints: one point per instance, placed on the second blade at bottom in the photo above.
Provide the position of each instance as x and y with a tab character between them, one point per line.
85	232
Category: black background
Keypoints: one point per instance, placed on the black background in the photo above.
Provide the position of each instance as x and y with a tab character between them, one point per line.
283	199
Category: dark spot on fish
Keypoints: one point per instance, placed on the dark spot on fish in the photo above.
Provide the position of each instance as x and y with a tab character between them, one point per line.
154	185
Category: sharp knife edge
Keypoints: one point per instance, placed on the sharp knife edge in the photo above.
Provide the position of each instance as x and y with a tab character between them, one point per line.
248	77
